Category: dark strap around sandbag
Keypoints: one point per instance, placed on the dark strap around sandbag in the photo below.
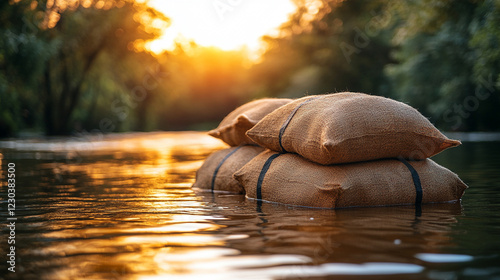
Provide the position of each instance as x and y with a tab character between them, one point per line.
262	174
416	181
414	174
220	164
287	121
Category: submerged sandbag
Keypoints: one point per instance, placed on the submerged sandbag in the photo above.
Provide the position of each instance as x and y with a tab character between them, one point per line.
233	127
291	179
349	127
216	173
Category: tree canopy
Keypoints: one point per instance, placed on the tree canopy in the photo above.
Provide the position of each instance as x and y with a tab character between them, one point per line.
75	66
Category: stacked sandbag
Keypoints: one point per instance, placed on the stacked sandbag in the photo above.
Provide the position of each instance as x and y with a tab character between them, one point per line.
233	127
349	127
216	173
291	179
349	149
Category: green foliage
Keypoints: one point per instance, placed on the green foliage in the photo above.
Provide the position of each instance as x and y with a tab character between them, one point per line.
441	57
486	40
63	63
343	47
486	67
446	59
71	69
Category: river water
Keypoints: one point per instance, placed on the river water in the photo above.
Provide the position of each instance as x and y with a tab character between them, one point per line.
122	207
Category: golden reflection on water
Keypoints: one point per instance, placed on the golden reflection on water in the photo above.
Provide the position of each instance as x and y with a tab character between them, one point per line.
151	157
122	203
123	208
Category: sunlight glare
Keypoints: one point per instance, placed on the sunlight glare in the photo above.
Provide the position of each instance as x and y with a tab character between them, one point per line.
225	24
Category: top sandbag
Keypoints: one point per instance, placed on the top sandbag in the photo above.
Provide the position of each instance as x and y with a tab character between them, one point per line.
233	127
349	127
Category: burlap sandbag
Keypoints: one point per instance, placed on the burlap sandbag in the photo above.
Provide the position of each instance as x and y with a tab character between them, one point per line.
291	179
233	127
216	173
349	127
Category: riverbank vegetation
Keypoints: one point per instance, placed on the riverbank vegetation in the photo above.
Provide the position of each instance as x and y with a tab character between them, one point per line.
68	67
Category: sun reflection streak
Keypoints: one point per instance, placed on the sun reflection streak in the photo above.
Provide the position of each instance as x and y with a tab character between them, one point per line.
182	227
131	198
222	263
126	211
184	240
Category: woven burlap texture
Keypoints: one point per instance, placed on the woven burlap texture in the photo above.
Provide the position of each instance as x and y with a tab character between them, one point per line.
233	127
294	180
224	180
350	127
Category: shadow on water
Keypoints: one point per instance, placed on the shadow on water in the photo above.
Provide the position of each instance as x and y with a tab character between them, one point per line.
343	235
122	207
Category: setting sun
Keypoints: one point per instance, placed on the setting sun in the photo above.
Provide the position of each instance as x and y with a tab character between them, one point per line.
225	24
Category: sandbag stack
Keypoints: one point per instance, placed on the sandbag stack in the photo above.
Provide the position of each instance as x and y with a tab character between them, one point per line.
348	149
216	173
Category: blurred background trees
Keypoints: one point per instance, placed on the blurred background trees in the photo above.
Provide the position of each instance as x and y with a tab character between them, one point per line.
445	52
76	66
62	62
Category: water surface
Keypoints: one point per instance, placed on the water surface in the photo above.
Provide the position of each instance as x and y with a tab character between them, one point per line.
122	207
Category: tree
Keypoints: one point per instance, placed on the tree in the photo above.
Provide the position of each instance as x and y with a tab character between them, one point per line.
205	84
50	51
448	61
328	46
